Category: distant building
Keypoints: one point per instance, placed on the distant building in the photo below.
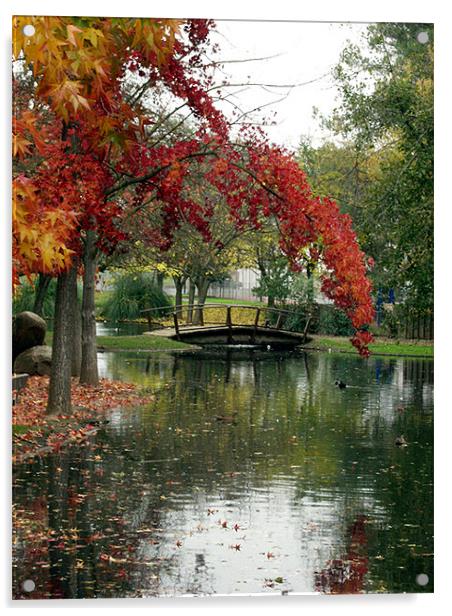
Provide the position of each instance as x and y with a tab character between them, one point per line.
239	285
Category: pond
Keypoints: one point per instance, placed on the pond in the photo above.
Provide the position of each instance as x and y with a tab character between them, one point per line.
249	473
113	328
123	328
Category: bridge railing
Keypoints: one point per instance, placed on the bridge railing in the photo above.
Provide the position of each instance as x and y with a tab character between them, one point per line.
212	315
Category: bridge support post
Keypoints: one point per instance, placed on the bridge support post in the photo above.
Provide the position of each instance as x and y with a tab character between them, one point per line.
279	321
176	325
229	323
256	324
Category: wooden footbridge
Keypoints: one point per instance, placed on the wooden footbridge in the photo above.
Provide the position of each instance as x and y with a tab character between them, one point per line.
220	324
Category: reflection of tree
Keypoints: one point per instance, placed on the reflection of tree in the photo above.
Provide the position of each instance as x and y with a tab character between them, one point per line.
85	547
346	575
291	422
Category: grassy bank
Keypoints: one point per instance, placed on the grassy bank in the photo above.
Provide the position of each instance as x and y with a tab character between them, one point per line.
382	346
133	343
229	302
142	343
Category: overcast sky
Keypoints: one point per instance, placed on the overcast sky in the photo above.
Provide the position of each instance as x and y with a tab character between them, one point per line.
304	52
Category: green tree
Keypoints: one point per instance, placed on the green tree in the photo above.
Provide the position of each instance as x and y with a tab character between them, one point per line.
386	113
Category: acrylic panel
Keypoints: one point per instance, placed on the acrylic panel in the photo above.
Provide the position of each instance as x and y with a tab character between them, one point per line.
223	308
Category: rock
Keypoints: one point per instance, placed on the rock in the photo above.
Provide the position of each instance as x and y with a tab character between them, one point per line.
37	360
29	330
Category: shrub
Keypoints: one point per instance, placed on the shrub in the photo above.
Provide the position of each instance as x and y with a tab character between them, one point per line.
133	293
325	319
296	321
333	322
24	298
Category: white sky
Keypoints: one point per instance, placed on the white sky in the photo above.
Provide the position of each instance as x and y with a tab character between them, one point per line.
304	52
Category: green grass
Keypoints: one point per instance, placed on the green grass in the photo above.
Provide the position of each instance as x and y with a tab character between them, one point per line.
132	343
21	429
102	297
382	346
229	302
148	343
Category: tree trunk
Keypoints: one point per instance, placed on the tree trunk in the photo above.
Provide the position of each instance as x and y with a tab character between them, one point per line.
202	285
160	277
191	300
77	330
88	372
59	401
179	282
41	292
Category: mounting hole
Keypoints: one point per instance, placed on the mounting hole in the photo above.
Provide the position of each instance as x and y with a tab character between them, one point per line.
28	30
28	585
422	37
422	579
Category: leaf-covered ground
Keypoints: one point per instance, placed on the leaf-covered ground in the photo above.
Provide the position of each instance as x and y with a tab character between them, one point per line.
34	432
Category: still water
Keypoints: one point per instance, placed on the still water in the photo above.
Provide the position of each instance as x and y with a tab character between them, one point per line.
114	328
249	473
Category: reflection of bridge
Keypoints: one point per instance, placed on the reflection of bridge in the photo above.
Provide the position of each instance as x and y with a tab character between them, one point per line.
237	324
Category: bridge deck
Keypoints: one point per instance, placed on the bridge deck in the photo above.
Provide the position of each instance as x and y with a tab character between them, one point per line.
267	326
221	333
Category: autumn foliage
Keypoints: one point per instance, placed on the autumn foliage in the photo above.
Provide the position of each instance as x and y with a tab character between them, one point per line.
101	158
90	402
79	65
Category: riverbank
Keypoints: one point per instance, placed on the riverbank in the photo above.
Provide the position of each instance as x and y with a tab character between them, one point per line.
140	343
381	346
36	433
134	343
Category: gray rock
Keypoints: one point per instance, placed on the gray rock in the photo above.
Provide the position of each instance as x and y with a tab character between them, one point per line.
29	330
37	360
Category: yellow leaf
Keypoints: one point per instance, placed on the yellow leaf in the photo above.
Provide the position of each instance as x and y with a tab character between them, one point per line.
71	30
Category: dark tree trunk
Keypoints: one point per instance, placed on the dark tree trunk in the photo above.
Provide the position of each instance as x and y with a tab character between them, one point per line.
59	401
160	277
88	372
202	284
179	282
191	300
57	516
270	301
41	292
77	331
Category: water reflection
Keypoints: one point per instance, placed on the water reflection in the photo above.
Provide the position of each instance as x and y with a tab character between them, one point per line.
113	328
346	575
303	491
